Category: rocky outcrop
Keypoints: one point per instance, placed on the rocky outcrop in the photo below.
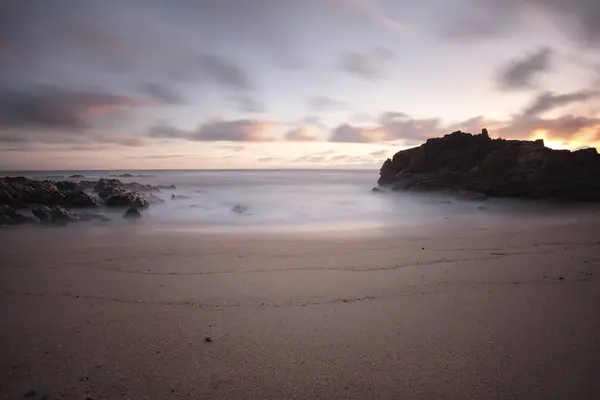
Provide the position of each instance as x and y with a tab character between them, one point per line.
132	213
55	214
118	194
495	167
22	192
8	216
127	199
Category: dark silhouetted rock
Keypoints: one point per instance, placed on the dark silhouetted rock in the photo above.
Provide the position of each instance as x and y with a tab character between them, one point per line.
76	176
132	213
154	199
8	216
127	199
109	187
43	213
78	199
494	167
55	214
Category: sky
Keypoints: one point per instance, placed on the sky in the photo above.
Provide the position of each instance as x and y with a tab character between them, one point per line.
177	84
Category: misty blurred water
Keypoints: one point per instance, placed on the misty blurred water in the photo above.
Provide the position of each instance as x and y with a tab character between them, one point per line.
288	199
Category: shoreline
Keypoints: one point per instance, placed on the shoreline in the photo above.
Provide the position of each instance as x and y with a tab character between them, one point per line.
453	309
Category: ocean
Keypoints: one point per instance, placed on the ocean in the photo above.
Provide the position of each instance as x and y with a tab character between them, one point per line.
282	200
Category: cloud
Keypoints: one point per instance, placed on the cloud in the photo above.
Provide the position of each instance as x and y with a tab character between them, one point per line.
369	66
403	127
243	130
269	159
120	139
370	10
521	73
378	153
358	134
549	101
225	72
325	104
162	156
578	19
233	147
303	133
162	93
248	104
564	128
58	107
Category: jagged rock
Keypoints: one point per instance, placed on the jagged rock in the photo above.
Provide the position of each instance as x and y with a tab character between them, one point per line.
132	213
55	214
43	213
127	199
154	199
8	216
109	187
78	198
494	167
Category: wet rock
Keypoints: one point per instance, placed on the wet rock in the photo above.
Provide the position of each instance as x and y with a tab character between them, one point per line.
55	214
153	199
78	199
76	176
8	216
43	213
494	167
208	339
107	188
127	199
132	213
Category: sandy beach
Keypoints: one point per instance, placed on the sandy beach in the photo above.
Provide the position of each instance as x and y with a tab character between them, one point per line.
457	309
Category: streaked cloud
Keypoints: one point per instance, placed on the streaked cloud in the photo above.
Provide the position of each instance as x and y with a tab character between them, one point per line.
369	65
521	73
318	104
244	130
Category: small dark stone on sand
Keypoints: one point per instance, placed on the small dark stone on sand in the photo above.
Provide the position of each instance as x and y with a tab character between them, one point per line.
30	393
560	278
545	277
208	340
422	248
83	378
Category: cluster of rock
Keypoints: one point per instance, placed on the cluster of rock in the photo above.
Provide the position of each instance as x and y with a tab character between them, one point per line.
495	167
50	201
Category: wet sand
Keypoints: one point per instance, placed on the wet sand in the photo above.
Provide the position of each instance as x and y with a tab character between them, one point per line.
462	310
